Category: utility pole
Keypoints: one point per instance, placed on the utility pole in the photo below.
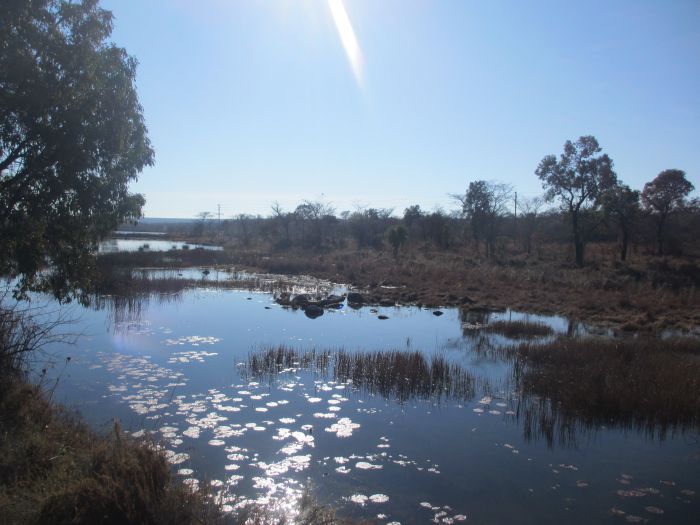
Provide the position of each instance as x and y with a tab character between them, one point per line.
515	225
219	211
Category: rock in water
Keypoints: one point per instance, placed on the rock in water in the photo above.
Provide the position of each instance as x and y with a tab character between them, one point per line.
313	311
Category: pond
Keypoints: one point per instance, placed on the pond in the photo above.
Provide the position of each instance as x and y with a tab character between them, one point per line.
153	245
260	401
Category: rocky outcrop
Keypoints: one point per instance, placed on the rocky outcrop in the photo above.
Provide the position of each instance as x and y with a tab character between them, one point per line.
305	301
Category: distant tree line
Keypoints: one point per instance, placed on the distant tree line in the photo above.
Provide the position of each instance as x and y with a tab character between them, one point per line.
583	201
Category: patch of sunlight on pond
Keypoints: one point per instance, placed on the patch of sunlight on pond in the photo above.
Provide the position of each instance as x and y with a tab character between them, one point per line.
260	401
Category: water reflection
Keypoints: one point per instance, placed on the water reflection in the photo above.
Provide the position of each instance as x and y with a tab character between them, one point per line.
152	245
398	375
571	388
136	289
467	427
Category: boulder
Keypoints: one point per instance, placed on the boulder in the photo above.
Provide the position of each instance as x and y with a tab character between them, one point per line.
437	313
313	311
299	301
331	300
355	298
284	299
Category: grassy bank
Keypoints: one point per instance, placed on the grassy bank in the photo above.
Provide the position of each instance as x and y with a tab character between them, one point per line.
54	469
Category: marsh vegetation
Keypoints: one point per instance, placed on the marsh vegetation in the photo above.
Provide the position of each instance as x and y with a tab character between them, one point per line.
507	360
397	375
649	385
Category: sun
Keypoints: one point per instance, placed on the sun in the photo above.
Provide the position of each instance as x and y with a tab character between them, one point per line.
347	37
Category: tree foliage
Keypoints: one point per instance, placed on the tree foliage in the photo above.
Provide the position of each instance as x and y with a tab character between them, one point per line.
397	235
663	196
483	204
622	204
72	137
577	180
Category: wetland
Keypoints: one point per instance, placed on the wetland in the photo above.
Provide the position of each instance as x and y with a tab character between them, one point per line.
389	413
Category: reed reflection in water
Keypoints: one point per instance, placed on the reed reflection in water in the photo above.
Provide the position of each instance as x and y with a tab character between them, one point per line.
570	387
393	374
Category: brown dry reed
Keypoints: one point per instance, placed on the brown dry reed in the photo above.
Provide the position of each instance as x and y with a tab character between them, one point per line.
394	374
519	329
570	385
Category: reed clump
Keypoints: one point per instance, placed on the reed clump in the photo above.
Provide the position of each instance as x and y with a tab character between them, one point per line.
275	360
392	374
647	384
519	329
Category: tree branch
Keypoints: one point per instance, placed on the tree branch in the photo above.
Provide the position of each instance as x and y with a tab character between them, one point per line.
13	156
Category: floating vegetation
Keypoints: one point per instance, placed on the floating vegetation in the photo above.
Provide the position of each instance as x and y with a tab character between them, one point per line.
570	385
194	340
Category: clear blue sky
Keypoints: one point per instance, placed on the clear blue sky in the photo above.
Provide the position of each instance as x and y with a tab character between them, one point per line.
252	101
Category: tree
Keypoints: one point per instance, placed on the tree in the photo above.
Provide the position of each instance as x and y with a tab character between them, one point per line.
244	220
411	215
622	203
284	219
529	215
483	204
317	214
397	235
72	137
663	196
367	226
577	180
414	220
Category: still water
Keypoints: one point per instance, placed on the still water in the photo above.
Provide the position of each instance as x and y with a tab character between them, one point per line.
178	367
153	245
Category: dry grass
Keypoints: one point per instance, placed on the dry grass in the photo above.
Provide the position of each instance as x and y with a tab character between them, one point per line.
646	294
53	469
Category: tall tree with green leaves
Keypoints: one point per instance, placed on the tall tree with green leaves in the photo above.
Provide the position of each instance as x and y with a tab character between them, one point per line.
663	196
72	138
577	180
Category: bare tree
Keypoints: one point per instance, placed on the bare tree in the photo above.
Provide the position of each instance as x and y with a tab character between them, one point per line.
283	219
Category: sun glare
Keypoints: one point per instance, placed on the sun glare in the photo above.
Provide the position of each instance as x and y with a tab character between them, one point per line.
347	37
